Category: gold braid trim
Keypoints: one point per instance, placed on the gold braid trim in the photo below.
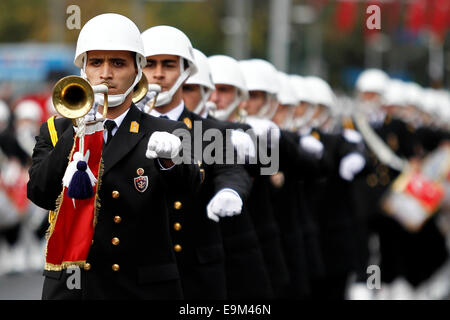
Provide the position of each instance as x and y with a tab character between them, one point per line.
51	228
64	265
97	204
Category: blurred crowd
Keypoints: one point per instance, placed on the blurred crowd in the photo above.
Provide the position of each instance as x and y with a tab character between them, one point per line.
22	224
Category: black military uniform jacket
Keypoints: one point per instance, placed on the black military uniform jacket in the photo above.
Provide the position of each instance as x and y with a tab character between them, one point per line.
198	239
330	195
132	253
249	263
295	165
262	215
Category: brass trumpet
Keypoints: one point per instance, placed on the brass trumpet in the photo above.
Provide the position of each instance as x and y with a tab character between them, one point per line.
73	96
140	89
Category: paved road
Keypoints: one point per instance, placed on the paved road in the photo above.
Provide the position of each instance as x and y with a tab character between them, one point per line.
23	286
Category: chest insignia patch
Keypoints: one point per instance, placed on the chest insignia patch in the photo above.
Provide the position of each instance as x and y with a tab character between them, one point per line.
141	183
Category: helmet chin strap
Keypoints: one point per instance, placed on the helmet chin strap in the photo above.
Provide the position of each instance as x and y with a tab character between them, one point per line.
165	97
288	122
202	103
210	107
267	110
224	114
114	100
306	118
320	120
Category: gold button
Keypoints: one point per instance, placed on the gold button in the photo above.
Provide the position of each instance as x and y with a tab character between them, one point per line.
87	266
384	180
177	226
117	219
115	267
177	248
115	241
115	194
372	180
177	205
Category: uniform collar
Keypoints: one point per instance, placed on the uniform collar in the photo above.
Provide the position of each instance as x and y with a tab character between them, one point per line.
119	119
173	114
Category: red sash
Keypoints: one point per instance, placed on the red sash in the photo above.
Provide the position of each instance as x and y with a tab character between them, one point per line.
72	227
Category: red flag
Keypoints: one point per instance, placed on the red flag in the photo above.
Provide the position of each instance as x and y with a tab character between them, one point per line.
417	15
439	17
72	226
392	14
426	191
345	16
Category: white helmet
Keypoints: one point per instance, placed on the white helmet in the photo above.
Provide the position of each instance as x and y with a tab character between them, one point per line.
29	110
260	75
395	94
321	91
430	101
172	41
301	90
286	94
413	94
203	78
303	95
225	70
110	31
372	80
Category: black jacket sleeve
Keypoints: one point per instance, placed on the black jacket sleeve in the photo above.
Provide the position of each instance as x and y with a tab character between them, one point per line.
49	164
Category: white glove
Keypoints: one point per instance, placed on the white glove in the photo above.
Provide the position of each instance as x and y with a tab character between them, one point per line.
225	203
350	165
352	136
264	128
163	145
93	113
142	104
312	145
243	144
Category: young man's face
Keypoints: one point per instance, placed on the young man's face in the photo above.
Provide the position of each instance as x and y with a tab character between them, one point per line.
281	114
320	111
114	67
223	96
300	109
191	96
255	102
162	69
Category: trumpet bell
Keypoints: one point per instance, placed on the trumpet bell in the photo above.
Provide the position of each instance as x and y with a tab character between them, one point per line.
73	97
140	89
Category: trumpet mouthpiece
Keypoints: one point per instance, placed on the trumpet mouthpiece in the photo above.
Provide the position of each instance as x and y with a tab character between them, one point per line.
154	87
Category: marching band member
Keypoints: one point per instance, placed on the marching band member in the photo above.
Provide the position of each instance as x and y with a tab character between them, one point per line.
201	246
131	168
